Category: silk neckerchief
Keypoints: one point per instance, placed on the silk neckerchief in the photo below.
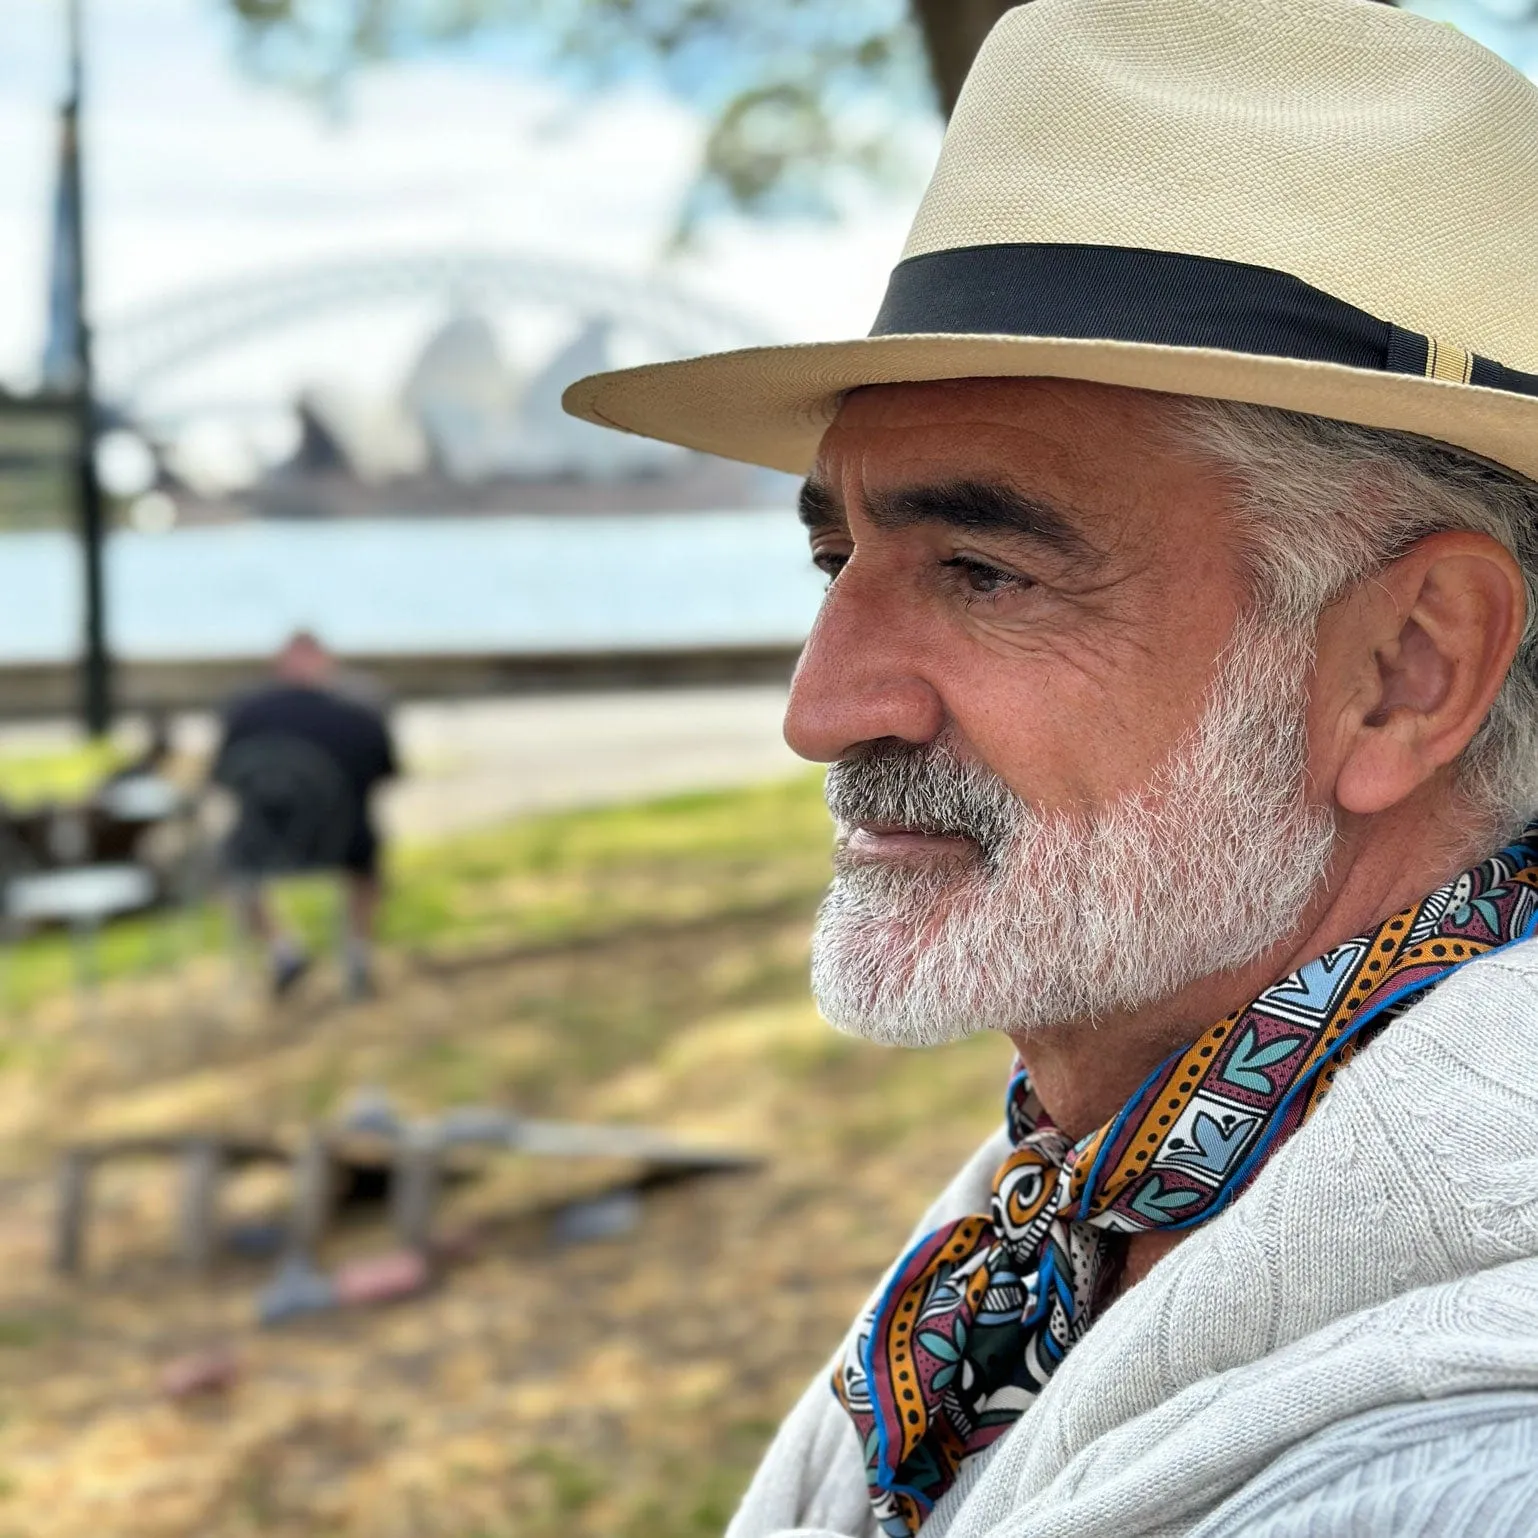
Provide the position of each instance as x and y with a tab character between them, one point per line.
977	1316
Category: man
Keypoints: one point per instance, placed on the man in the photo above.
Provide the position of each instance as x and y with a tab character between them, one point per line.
303	755
1178	675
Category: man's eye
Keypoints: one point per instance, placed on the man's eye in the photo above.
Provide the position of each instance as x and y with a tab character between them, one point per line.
982	578
829	562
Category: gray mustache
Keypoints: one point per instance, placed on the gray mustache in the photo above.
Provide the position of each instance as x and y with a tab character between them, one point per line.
924	786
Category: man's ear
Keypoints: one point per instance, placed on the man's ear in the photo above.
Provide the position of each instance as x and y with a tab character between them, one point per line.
1425	646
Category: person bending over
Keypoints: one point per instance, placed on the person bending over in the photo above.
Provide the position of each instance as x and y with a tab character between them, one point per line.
302	755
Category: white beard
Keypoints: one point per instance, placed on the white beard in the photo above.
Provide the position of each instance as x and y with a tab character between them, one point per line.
1070	916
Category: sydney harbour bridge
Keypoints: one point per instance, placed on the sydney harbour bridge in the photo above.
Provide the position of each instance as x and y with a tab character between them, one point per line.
141	352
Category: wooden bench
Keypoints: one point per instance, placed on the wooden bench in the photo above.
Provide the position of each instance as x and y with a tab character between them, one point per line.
415	1156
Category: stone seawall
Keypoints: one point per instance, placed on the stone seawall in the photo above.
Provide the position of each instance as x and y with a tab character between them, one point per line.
52	689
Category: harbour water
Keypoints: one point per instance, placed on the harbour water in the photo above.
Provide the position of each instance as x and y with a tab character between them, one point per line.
514	584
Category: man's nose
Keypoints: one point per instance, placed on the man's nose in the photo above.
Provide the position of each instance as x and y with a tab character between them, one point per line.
859	678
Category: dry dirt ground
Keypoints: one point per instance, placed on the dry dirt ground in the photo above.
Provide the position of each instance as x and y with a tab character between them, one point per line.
621	1388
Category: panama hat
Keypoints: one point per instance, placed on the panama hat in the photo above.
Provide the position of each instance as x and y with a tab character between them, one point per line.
1324	205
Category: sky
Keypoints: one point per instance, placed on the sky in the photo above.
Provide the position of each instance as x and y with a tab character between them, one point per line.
197	174
1504	26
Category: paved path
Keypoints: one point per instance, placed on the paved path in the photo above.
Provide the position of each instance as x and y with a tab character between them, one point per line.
482	761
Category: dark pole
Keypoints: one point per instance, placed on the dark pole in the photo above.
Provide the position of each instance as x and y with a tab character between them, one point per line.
95	664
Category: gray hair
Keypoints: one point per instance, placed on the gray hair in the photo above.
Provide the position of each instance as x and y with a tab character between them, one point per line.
1326	504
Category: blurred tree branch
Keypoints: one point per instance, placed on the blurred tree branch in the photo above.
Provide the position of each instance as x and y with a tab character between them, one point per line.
801	97
798	94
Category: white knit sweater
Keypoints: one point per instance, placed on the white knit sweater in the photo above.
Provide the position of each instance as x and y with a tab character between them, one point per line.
1351	1349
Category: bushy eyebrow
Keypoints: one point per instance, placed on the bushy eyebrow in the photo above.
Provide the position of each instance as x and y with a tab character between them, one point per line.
978	507
818	509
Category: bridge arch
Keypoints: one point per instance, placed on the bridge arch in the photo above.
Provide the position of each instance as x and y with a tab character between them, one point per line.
143	348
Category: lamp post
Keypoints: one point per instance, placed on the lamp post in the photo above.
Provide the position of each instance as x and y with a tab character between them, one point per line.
68	366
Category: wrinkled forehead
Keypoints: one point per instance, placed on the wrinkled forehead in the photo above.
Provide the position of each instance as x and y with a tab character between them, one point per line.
1108	461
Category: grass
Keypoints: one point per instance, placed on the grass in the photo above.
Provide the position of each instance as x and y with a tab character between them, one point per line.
58	774
555	878
541	881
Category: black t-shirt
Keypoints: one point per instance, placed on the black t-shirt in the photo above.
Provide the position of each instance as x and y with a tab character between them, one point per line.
355	737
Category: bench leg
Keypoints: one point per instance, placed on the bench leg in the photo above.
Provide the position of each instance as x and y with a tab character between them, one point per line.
415	1190
74	1194
87	973
202	1170
314	1193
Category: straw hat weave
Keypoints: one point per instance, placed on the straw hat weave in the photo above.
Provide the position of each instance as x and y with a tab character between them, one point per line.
1325	205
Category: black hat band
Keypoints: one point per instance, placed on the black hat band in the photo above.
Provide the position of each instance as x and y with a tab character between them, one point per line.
1170	299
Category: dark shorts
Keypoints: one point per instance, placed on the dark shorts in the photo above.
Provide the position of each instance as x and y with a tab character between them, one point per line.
248	854
361	857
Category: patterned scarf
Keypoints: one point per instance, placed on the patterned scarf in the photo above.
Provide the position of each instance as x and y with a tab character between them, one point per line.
978	1315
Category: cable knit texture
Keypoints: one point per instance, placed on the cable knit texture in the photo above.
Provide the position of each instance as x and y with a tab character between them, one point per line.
1386	1257
1463	1465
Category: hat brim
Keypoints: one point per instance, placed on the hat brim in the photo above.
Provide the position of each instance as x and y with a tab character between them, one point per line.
771	405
